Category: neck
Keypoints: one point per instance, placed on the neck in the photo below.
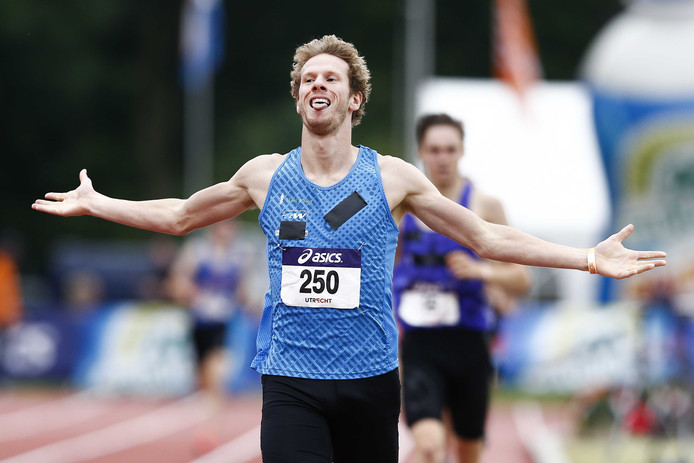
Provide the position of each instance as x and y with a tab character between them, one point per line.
326	159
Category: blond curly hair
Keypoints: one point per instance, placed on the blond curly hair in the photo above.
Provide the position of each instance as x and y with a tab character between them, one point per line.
359	75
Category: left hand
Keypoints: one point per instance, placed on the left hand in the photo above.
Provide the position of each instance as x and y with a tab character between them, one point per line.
615	261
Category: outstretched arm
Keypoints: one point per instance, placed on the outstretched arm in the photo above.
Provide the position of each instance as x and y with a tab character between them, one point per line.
408	190
243	191
513	279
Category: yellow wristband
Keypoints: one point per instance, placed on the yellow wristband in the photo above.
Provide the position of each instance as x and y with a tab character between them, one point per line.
592	263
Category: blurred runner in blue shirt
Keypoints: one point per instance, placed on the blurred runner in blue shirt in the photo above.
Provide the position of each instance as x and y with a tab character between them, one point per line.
445	302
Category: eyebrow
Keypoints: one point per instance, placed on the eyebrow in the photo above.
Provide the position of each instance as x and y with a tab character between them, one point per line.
329	73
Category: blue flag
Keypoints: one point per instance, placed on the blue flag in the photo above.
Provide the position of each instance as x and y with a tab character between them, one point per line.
202	41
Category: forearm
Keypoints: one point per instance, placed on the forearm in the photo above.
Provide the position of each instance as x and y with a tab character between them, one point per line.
410	191
160	215
175	216
497	242
507	244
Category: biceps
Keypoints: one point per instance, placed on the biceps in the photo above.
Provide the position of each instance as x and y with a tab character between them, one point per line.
449	218
216	203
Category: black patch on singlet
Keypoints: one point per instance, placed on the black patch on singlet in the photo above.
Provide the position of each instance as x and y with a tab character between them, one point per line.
346	209
292	230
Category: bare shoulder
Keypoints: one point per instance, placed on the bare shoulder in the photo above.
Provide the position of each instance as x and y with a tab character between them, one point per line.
397	169
255	175
399	176
264	162
402	181
259	168
386	161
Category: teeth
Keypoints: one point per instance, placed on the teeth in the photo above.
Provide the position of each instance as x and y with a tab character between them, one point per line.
319	101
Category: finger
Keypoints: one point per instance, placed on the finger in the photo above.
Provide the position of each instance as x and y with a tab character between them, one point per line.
624	232
640	268
83	175
651	254
55	196
43	202
626	273
658	263
644	268
43	206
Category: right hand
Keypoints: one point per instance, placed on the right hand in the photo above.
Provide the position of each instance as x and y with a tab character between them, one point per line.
464	267
68	204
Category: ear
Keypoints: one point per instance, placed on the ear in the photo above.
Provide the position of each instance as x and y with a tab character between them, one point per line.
298	109
357	99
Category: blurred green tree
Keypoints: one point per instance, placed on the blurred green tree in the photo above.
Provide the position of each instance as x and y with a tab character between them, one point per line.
96	85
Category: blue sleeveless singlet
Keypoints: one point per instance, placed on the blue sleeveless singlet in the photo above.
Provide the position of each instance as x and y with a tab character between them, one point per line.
330	252
218	283
421	267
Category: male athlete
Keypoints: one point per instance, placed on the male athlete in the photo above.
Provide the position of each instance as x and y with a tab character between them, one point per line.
327	343
446	299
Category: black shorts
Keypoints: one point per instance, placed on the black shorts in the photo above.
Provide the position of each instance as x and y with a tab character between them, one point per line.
324	421
208	337
447	368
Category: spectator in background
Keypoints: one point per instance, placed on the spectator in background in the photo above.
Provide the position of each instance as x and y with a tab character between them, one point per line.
11	302
161	252
207	277
445	297
83	291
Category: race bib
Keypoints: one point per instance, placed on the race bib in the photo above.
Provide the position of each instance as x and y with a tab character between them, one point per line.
321	277
429	306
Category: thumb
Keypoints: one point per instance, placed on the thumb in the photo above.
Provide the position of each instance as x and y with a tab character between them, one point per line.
624	232
83	175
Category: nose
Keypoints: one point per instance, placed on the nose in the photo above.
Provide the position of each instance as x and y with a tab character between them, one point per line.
319	84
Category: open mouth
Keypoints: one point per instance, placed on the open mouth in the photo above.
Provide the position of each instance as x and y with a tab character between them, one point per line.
320	103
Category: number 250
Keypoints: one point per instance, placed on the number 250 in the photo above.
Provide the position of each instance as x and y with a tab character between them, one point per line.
329	282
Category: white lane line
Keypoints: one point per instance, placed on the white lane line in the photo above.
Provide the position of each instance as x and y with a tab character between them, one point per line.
49	416
151	426
543	444
35	409
241	449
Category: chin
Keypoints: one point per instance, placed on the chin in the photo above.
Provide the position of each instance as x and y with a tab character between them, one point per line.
322	127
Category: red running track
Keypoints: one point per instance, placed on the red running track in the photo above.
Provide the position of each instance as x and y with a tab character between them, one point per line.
74	427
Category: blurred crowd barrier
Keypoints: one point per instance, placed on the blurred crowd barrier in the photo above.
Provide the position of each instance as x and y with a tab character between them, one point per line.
101	318
133	348
570	348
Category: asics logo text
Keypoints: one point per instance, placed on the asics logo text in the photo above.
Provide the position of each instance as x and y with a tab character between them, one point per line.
320	257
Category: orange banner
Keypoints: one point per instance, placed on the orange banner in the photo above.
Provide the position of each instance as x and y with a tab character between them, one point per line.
515	50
